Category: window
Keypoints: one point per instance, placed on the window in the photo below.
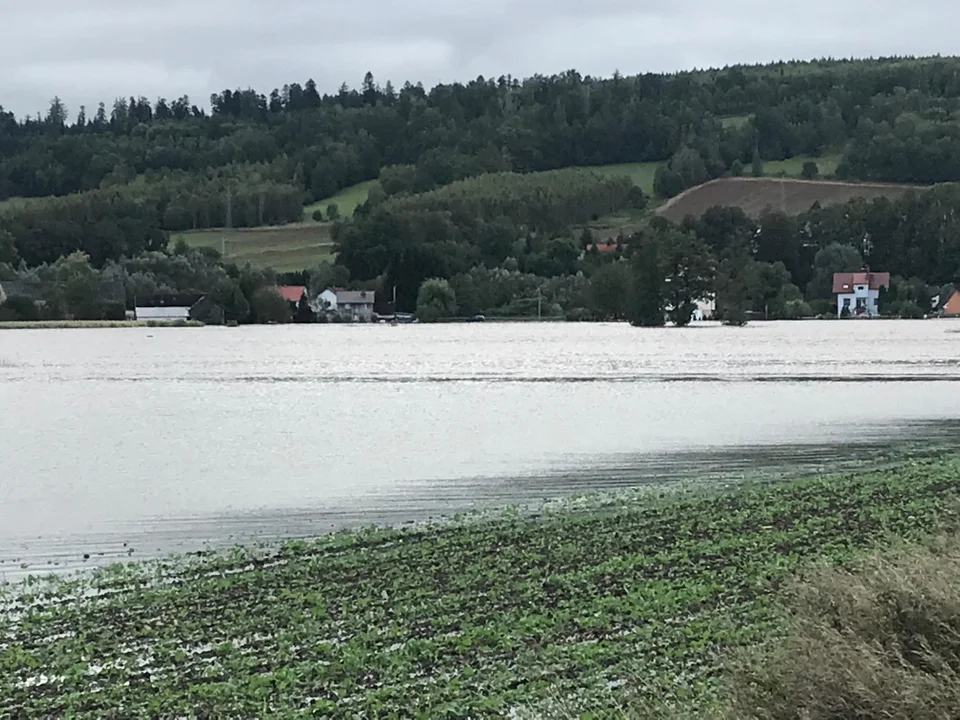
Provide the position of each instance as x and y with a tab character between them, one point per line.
846	303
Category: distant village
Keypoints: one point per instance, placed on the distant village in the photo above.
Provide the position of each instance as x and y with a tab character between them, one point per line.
331	305
857	297
857	294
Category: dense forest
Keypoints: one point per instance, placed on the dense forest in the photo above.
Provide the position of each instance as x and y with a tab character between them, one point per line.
470	188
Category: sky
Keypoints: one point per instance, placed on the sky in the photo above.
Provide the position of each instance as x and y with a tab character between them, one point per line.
97	50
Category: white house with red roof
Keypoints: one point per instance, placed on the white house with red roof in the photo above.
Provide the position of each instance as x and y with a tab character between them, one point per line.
858	293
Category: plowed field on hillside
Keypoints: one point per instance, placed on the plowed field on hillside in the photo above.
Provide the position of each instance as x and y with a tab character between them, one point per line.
755	195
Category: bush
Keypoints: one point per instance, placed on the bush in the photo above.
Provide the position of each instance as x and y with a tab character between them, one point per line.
17	308
810	170
796	309
878	640
436	300
317	215
909	310
114	311
823	307
269	306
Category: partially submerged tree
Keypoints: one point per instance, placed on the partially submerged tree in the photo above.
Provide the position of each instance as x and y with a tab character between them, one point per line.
647	301
436	300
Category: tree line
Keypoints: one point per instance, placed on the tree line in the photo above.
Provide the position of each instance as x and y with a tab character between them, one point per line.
484	220
775	266
701	124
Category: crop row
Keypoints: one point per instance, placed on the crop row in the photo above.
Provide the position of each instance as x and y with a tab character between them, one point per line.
466	619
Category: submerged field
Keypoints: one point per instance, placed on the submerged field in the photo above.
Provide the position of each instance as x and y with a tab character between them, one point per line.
595	604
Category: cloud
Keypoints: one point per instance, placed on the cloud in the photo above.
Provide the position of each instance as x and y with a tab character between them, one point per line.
102	49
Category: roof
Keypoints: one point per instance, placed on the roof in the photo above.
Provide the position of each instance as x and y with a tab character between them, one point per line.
844	282
607	247
952	306
163	313
293	293
355	297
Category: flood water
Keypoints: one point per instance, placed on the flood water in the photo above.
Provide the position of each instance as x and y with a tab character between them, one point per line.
162	440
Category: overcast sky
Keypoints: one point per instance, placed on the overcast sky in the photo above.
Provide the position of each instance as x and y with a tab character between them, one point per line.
86	51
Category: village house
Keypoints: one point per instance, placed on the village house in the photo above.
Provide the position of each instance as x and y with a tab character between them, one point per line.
952	307
349	305
858	293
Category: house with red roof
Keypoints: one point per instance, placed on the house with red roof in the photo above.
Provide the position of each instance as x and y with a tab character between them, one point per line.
858	293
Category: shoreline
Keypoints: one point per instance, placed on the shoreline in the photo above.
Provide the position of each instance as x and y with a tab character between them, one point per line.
93	324
492	614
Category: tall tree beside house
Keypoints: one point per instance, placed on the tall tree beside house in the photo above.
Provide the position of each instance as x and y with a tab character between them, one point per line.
647	300
436	300
732	289
610	290
304	311
269	306
689	274
756	164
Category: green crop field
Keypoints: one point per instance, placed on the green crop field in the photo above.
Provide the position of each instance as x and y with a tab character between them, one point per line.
346	200
16	202
628	600
641	173
284	248
793	167
734	121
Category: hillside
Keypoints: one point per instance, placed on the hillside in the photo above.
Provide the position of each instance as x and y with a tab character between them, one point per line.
286	248
789	195
346	200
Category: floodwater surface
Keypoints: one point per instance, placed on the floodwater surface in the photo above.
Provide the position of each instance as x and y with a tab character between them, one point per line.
137	442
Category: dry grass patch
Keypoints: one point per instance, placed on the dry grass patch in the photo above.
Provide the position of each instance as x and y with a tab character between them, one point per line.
879	639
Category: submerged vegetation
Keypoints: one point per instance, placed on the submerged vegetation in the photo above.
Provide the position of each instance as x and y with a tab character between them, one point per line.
636	601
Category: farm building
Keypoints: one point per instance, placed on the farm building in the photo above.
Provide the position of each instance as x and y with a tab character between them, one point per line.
858	294
350	305
168	308
952	307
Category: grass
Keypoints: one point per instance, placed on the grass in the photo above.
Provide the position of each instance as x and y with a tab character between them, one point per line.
877	639
15	203
637	598
733	122
641	173
284	248
346	200
793	167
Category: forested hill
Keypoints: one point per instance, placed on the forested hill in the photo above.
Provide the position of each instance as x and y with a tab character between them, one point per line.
477	186
896	119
